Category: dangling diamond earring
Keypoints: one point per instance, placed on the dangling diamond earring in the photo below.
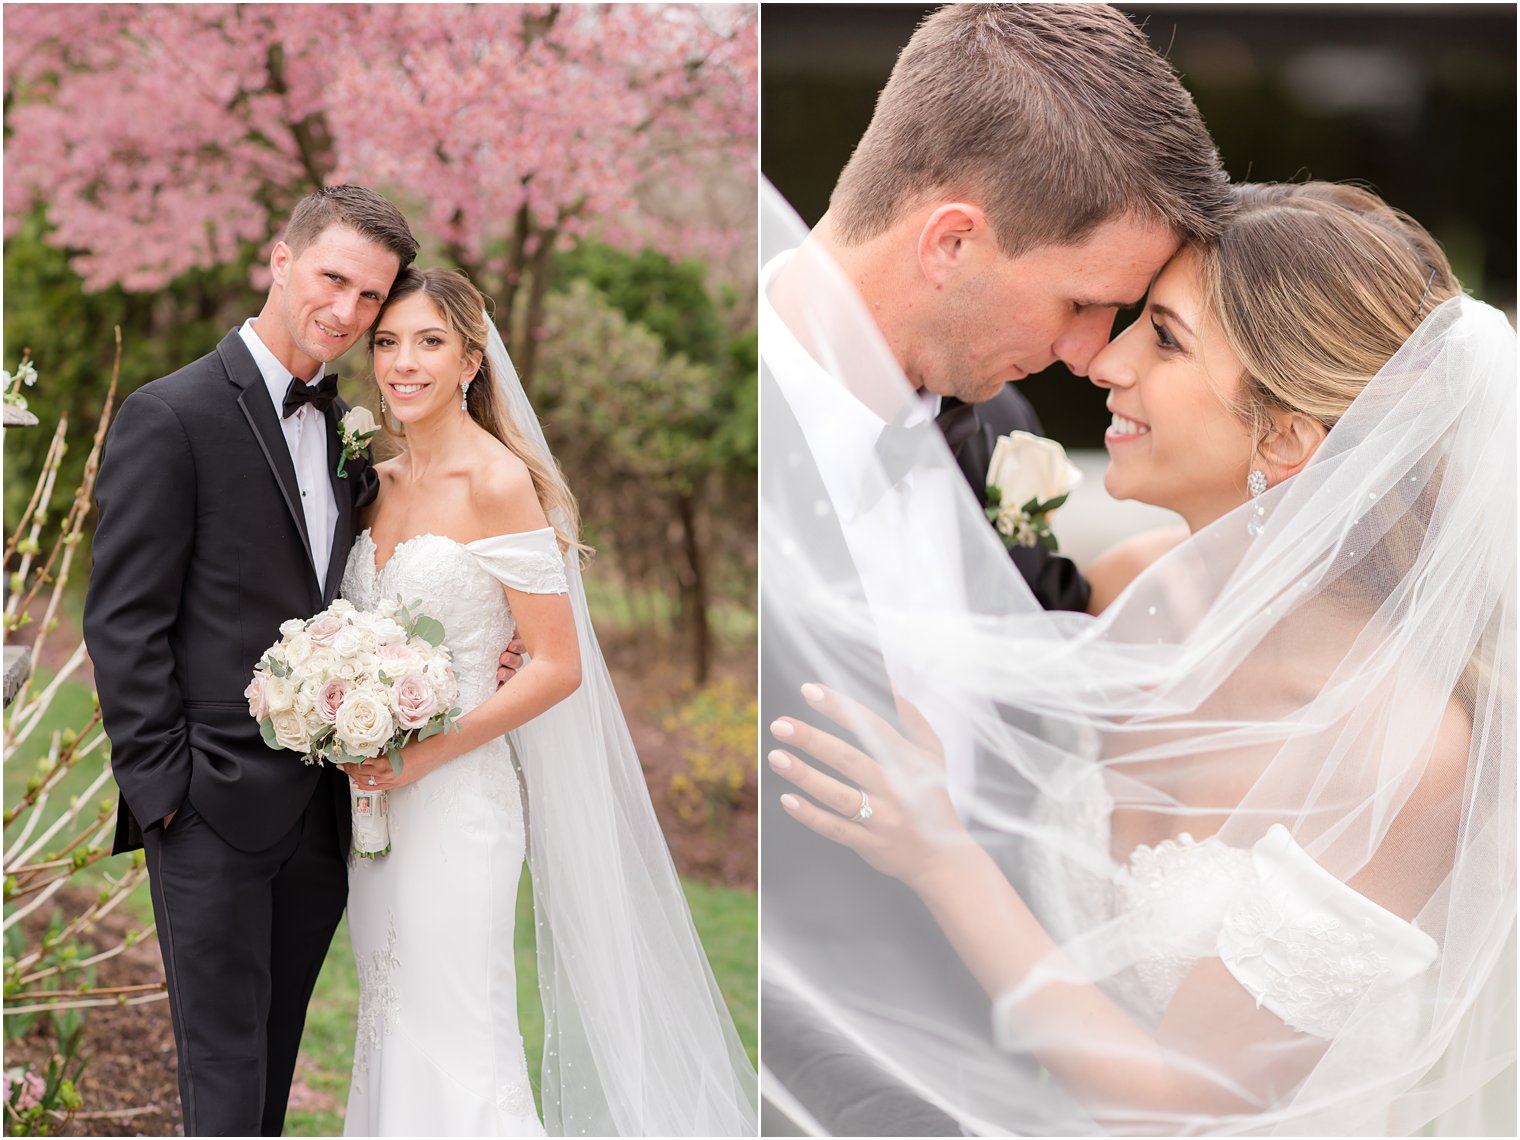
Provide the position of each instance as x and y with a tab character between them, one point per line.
382	403
464	397
1256	483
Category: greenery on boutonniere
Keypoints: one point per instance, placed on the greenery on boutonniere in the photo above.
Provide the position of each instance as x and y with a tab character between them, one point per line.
355	431
1028	479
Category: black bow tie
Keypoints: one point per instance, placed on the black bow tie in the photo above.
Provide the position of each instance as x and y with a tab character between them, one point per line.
958	422
319	395
898	447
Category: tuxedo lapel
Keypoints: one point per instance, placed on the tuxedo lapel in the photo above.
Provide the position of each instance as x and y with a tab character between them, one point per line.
257	409
344	491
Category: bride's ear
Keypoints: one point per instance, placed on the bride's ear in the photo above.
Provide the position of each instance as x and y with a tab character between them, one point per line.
1290	443
952	238
471	366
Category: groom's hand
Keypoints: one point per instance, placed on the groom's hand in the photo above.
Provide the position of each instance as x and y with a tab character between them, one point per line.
511	660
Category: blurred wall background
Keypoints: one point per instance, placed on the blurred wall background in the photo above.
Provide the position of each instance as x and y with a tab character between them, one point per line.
1415	100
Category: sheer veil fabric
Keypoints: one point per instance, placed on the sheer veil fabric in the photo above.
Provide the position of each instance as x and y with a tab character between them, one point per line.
1264	804
637	1039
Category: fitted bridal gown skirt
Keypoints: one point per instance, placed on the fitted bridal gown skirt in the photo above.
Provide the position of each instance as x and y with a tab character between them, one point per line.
438	1050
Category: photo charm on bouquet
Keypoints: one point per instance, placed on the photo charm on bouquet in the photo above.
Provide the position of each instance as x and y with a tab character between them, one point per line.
346	685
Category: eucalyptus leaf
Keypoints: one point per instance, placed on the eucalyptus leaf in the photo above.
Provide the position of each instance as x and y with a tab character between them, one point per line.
429	629
393	754
266	730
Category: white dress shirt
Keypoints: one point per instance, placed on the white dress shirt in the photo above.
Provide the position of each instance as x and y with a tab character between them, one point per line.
306	434
841	434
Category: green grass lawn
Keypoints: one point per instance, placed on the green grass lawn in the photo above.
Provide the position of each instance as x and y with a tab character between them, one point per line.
727	921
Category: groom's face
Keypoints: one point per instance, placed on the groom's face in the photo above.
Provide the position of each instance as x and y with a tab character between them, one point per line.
331	290
1011	317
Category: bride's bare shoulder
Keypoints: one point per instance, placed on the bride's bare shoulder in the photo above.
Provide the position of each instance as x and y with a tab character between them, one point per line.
1125	561
503	498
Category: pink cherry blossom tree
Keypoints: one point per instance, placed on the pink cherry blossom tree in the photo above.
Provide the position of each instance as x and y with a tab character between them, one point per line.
166	137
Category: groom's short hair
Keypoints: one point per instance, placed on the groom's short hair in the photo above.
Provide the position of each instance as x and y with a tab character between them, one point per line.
1053	118
371	215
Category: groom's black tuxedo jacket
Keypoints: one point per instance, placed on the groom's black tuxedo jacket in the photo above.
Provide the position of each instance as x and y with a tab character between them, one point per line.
200	553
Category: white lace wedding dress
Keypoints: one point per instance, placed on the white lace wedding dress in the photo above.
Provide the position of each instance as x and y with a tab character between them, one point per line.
1326	960
438	1050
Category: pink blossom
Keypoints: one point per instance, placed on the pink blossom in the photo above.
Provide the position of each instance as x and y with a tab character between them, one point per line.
414	700
32	1088
324	629
478	118
330	699
258	699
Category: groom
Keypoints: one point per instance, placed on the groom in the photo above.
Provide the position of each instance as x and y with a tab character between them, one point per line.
221	516
1027	171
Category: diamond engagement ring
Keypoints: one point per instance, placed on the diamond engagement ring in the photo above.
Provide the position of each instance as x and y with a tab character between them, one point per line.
372	781
865	808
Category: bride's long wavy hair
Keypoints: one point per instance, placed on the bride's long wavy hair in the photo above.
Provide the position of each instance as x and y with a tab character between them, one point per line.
1316	285
464	311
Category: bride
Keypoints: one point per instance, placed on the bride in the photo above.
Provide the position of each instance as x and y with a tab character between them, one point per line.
1237	855
475	527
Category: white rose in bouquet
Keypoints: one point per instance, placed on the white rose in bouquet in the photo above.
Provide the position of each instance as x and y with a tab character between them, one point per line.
1028	480
290	730
364	723
388	631
279	694
297	650
348	642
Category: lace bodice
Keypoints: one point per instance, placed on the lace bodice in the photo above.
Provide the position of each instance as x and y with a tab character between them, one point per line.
1302	943
460	584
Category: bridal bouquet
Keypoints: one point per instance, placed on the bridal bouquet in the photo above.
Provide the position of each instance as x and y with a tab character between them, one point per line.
348	684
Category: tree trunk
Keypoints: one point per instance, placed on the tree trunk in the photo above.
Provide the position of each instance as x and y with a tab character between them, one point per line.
694	589
513	276
538	289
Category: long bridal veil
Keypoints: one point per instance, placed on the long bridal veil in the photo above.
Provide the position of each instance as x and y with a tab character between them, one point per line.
637	1039
1263	806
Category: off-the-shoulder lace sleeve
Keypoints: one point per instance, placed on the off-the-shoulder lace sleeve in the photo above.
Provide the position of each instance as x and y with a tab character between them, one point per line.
1310	948
530	561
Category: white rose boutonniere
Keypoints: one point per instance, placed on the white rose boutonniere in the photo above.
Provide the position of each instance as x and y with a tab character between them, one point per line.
1028	479
355	431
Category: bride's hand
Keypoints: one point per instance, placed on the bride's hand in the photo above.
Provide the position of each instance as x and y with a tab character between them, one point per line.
376	771
905	842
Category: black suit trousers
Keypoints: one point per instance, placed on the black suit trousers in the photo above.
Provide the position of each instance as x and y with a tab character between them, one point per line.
243	936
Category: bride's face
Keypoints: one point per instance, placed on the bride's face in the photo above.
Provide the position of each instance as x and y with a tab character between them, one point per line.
1176	439
420	362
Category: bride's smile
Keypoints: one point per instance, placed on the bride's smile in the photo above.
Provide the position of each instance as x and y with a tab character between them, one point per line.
420	362
1176	439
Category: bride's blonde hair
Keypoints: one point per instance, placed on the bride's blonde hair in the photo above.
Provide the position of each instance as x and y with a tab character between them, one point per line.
464	311
1316	285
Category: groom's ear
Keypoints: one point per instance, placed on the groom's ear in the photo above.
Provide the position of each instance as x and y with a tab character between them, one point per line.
953	239
280	258
1292	442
